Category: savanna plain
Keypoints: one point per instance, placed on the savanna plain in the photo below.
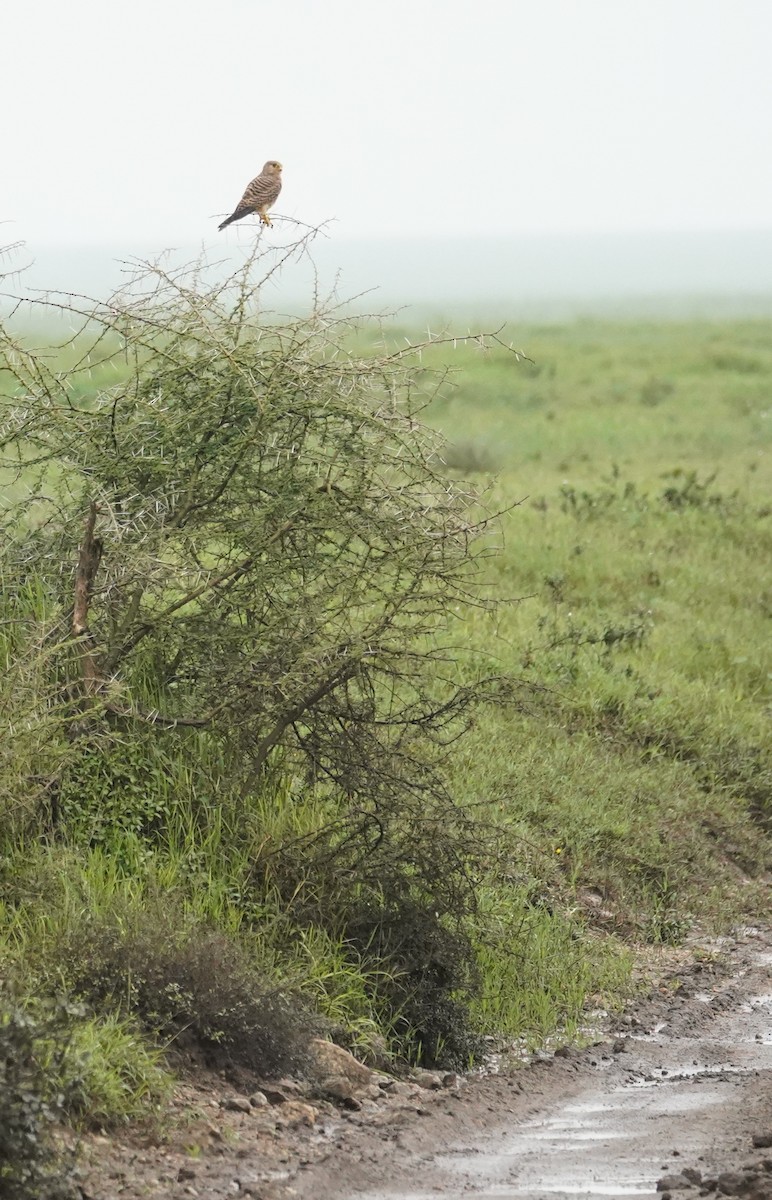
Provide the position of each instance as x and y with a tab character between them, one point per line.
363	683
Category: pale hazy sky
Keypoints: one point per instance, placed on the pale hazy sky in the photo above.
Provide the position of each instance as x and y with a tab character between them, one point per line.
142	120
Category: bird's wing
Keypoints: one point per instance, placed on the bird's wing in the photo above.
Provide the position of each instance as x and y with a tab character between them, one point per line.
262	190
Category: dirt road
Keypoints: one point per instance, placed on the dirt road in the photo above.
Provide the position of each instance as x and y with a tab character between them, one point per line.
671	1096
682	1084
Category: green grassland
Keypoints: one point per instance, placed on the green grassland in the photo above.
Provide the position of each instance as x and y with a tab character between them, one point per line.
624	768
632	463
640	549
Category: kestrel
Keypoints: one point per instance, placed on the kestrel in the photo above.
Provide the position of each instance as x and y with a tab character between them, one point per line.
261	194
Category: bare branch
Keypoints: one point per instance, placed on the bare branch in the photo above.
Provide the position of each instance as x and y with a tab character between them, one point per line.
89	558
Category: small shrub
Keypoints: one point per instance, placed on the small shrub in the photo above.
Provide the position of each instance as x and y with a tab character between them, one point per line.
585	503
191	985
31	1165
111	1075
111	790
433	974
686	490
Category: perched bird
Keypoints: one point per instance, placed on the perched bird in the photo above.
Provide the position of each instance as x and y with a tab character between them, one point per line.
261	194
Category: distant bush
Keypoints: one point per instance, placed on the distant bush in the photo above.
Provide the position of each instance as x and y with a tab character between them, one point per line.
684	491
656	390
471	457
740	364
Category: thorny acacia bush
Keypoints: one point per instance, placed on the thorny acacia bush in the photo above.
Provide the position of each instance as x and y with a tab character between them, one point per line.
235	530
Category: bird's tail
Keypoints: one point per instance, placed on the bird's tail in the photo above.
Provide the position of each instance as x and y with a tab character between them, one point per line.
235	216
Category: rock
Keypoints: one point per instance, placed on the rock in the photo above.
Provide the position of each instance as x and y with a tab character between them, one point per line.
296	1112
267	1191
341	1089
236	1104
185	1174
731	1183
292	1087
620	1046
692	1175
258	1100
672	1183
428	1080
275	1095
330	1060
762	1140
400	1087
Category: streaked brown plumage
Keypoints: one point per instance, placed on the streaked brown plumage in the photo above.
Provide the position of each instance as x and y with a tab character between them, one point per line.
261	194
